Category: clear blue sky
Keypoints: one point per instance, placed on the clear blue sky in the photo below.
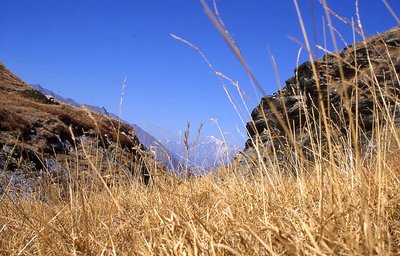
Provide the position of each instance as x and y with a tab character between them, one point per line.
84	49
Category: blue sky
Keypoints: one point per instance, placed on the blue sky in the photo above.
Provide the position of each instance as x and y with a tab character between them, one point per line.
84	50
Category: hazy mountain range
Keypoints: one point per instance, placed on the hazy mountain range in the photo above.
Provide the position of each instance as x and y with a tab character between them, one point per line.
208	153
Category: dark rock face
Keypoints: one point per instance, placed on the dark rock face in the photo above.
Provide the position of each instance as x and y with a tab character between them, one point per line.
353	86
39	138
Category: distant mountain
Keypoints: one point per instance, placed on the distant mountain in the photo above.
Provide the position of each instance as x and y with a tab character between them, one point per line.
150	142
208	153
100	110
55	95
159	150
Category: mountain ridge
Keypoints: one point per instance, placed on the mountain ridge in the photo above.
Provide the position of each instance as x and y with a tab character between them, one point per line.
206	154
39	136
148	140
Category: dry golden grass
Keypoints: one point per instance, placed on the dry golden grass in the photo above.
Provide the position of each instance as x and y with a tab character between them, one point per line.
328	208
350	212
348	204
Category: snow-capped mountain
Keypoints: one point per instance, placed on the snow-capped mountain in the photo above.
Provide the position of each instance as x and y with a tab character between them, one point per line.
208	153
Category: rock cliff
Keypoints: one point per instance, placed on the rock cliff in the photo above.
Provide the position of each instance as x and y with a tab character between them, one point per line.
354	90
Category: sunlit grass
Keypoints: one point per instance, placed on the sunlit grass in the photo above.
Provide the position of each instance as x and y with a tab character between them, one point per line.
220	213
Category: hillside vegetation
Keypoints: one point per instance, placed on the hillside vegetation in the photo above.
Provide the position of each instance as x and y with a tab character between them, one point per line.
328	209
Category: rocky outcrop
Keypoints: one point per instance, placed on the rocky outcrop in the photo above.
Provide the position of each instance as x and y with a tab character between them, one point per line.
39	137
356	86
